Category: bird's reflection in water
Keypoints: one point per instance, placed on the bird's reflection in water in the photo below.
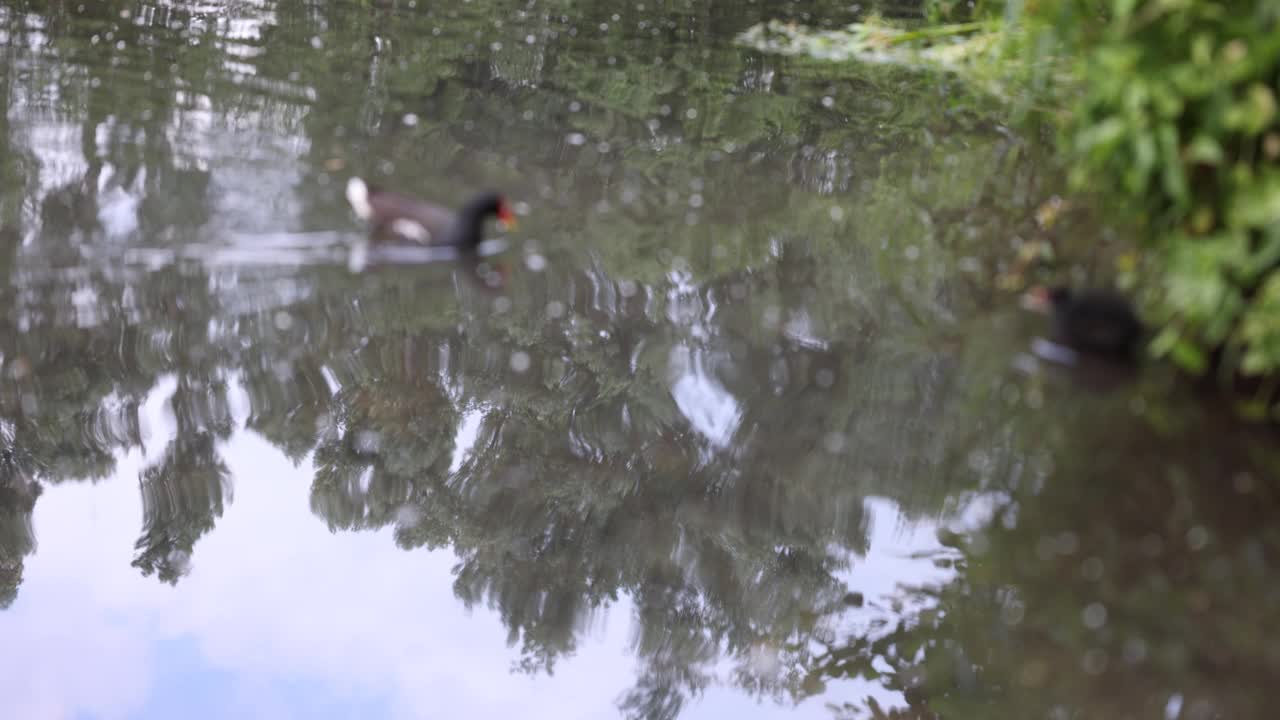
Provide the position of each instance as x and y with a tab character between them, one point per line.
485	266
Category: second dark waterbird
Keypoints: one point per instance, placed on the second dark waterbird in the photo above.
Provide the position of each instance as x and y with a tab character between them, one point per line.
1093	320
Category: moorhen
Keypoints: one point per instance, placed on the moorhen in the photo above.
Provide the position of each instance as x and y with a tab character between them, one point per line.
1096	321
392	215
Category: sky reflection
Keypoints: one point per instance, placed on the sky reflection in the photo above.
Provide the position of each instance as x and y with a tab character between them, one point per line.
281	618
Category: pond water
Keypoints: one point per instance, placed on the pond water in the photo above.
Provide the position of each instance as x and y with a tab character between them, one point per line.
751	427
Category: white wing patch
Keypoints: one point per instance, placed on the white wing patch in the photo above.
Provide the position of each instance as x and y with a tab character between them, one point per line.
410	229
358	196
1053	352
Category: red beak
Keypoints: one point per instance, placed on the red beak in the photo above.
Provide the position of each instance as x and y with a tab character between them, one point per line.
1037	299
506	217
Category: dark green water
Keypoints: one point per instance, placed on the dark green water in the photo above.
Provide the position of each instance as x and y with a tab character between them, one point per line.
749	431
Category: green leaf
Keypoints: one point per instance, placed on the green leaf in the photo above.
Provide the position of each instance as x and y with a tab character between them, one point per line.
1101	138
1144	160
1189	357
1265	257
1175	179
1254	112
1164	341
1258	204
1204	149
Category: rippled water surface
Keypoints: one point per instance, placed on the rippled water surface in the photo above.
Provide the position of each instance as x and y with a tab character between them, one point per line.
743	422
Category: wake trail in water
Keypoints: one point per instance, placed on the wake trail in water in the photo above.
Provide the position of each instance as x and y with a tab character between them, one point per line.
282	249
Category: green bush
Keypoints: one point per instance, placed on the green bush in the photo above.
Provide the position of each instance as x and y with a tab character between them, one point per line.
1168	109
1176	118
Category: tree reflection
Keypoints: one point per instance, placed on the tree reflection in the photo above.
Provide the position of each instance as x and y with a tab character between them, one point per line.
184	491
1114	583
18	495
681	404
